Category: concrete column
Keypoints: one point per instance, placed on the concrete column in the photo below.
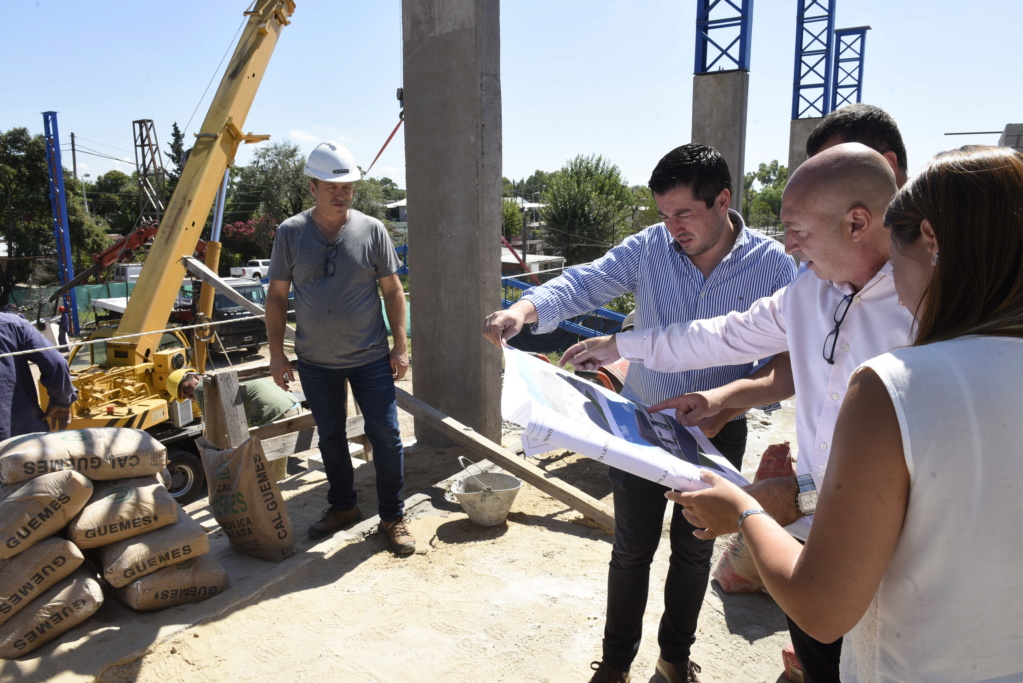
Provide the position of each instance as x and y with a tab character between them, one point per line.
799	133
720	101
452	85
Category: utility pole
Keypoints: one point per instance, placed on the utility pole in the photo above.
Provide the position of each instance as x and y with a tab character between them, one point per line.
74	159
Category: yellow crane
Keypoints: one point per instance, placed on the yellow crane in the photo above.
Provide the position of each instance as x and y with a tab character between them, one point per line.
125	381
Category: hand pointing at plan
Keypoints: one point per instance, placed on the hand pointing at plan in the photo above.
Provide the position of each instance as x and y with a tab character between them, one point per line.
592	353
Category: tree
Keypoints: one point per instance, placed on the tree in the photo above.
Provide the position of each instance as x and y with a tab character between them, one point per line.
251	239
25	214
273	185
588	209
527	188
114	198
176	155
511	218
761	205
644	210
370	199
391	191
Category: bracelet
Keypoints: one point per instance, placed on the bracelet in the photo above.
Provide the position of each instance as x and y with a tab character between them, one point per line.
747	513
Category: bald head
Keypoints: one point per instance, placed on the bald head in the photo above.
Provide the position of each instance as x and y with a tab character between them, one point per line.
833	209
842	177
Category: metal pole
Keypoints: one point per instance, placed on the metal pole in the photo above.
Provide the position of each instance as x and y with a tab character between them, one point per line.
218	211
74	159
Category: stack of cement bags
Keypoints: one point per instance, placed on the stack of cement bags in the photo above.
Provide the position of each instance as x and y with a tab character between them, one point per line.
91	493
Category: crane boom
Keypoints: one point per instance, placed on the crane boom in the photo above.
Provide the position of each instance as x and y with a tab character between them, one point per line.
217	142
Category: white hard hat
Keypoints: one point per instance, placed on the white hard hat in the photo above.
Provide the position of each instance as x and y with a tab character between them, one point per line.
333	163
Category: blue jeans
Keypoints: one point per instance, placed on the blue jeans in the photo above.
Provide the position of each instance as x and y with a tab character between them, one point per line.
373	389
639	517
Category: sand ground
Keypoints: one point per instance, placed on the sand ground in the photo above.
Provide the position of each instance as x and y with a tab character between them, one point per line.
523	601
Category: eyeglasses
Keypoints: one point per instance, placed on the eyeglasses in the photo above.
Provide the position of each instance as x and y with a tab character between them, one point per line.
328	265
832	338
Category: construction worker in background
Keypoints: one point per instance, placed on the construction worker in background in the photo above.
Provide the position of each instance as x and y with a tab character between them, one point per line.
62	329
263	400
336	257
19	403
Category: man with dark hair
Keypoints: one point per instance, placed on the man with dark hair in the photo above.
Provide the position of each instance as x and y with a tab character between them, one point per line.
868	125
700	259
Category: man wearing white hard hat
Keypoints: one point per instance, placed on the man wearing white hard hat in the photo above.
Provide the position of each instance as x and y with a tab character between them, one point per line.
335	256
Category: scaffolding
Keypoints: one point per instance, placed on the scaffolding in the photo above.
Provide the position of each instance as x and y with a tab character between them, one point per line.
149	167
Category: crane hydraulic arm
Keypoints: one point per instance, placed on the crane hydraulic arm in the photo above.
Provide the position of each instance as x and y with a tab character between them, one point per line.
217	142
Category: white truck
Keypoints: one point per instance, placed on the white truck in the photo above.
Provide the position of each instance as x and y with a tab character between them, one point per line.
255	270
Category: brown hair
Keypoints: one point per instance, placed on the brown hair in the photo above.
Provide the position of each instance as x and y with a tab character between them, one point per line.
973	198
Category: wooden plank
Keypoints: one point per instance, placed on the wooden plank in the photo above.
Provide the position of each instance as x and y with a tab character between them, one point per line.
289	444
296	434
280	427
466	436
260	368
225	411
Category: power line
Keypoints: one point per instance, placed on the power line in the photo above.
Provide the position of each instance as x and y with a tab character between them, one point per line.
105	156
127	151
197	104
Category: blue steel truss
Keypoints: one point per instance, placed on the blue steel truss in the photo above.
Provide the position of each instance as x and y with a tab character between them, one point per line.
847	73
723	41
61	234
811	87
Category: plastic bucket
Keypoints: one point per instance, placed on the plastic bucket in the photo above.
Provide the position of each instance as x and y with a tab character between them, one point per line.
486	497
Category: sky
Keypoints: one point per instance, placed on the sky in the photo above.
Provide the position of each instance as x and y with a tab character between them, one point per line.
607	77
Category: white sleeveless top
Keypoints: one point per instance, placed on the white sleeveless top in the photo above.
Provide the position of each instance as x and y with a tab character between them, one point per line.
950	605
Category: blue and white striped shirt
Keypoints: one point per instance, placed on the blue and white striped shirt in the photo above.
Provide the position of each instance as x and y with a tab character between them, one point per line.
669	289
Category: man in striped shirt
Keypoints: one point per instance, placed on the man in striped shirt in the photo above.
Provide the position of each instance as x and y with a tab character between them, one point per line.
700	261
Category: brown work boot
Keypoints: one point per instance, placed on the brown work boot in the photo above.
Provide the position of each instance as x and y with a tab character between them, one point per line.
603	673
399	535
675	673
334	520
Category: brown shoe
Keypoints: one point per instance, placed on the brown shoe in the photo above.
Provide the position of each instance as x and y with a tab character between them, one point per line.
673	672
334	520
603	673
399	535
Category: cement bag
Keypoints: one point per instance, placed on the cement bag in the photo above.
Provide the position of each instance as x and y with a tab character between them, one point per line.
99	453
40	508
188	581
59	609
246	500
735	571
122	509
124	561
776	462
27	575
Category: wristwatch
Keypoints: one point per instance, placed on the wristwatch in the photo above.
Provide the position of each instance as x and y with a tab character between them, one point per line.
806	498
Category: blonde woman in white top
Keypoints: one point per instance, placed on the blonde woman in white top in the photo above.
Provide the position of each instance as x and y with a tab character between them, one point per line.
917	545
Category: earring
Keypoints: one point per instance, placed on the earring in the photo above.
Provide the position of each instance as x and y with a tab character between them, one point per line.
934	260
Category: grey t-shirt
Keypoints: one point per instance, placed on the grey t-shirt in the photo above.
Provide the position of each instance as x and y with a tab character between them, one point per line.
338	311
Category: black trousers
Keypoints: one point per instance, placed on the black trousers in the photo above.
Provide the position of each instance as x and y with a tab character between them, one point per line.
639	517
819	660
